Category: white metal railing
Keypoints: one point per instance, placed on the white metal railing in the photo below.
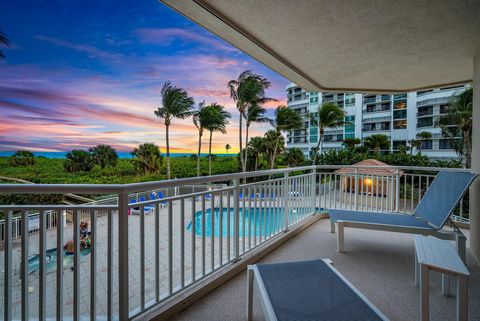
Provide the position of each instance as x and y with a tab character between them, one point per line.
143	253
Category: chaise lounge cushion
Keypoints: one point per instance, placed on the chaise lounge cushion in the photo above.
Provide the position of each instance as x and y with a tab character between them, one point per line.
393	219
310	290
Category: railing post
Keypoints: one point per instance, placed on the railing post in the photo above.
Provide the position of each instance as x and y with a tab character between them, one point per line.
313	194
286	198
123	256
356	190
397	190
236	220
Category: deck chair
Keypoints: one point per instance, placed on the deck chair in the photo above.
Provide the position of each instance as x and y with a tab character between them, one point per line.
147	208
161	196
429	216
307	290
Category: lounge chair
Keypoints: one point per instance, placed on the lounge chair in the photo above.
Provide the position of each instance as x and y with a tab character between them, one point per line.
429	216
160	196
307	290
147	208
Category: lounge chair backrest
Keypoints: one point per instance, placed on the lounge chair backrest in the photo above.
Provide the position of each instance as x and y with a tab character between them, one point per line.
443	196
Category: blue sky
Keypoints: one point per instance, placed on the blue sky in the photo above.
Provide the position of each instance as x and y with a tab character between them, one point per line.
81	73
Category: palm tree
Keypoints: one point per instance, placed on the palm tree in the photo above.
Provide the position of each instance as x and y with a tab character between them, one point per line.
377	142
273	143
3	40
329	116
351	143
415	143
175	104
200	119
22	158
77	161
422	136
257	147
218	118
285	120
457	124
294	157
254	114
103	156
147	158
227	147
248	89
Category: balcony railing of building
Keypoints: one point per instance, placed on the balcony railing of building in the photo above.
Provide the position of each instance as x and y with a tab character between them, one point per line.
145	254
433	101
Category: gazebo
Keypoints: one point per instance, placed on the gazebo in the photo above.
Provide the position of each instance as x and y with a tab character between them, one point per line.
370	178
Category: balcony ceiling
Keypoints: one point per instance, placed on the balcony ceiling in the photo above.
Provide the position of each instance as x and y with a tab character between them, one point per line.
354	46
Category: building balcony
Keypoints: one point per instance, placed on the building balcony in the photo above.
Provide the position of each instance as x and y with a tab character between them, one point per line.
157	246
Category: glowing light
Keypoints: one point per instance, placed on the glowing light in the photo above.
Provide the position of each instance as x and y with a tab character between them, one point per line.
368	181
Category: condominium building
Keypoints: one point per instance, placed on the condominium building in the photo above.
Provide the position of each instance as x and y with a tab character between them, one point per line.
401	117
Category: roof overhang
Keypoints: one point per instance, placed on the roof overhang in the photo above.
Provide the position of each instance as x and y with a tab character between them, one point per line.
350	46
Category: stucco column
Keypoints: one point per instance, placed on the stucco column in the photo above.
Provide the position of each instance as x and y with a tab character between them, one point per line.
475	189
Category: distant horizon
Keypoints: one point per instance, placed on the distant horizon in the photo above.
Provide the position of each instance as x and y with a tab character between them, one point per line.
121	154
96	73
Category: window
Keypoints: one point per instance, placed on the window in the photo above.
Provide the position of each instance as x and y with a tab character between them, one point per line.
425	110
349	135
400	104
400	124
400	114
425	122
314	99
385	126
350	127
444	109
445	144
424	92
385	97
368	127
400	96
398	143
427	144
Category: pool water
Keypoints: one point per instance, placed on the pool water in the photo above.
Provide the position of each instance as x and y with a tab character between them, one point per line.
51	258
261	221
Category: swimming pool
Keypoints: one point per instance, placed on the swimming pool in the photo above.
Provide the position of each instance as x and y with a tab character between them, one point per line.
261	221
51	258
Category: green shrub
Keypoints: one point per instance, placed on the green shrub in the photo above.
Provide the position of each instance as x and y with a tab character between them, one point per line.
22	158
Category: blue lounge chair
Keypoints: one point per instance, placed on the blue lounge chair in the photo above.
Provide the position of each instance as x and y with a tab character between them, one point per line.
160	196
307	290
429	216
147	208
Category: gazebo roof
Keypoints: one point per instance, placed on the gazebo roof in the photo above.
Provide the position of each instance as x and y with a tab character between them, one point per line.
367	167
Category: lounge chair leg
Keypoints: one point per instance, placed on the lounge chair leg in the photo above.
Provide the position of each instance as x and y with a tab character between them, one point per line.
460	242
332	226
446	284
249	294
417	272
340	237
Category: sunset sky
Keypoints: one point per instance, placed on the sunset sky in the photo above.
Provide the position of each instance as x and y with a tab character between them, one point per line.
81	73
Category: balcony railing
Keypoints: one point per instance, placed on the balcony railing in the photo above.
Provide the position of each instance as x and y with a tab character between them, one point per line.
144	254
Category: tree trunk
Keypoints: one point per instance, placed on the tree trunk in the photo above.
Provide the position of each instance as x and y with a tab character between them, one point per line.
318	148
199	152
274	153
168	151
210	154
240	141
246	145
256	163
468	149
